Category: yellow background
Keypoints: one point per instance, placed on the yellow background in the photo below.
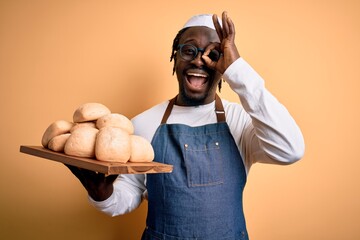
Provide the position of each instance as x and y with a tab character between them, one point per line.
56	55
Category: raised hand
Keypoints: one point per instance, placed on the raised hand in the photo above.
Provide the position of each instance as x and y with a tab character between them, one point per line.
229	52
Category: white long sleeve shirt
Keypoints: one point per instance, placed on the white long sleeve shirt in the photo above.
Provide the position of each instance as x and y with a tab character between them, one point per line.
261	126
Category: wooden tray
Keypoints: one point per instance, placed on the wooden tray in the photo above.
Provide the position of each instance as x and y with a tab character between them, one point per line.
108	168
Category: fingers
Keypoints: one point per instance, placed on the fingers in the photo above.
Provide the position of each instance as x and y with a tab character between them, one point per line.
88	177
231	34
217	26
225	25
78	174
227	30
226	33
211	63
98	185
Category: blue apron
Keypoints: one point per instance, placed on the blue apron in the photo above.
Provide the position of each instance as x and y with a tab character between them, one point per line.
202	198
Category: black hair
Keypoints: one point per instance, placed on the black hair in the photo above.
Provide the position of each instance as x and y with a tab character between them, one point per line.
175	47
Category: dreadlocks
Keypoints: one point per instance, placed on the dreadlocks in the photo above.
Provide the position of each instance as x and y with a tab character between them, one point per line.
175	47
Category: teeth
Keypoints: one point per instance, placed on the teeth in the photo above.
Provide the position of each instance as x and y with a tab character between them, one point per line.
197	75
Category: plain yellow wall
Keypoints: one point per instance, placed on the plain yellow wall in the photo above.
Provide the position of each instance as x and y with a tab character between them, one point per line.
56	55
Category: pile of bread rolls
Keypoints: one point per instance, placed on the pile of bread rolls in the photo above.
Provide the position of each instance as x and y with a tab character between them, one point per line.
97	133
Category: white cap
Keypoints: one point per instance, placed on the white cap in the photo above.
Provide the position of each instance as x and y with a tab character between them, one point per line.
201	20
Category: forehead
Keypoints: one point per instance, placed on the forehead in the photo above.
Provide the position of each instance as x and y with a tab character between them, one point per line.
199	35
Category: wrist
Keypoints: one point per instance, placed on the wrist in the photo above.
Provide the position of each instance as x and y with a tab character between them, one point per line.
101	194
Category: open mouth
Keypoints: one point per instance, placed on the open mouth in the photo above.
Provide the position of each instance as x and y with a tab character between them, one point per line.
196	79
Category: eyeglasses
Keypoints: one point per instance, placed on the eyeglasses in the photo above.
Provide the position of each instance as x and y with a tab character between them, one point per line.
189	52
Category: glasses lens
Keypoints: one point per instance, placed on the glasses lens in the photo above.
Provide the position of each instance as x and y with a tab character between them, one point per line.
214	55
188	52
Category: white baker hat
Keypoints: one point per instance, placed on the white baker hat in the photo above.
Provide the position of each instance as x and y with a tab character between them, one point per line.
201	20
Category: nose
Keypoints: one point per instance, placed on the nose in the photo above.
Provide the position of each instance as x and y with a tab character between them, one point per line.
198	61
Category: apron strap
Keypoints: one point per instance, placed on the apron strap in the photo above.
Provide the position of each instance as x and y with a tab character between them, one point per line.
219	110
168	110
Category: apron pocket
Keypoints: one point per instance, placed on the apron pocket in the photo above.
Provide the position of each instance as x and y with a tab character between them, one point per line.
204	164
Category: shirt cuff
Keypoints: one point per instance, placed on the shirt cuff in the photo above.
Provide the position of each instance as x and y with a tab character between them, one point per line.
102	204
233	68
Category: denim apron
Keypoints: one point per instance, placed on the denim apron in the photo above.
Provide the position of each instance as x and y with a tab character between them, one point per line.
202	198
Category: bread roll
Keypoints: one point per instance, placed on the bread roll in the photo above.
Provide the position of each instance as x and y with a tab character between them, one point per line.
83	124
115	120
113	145
89	112
57	143
55	129
81	142
141	149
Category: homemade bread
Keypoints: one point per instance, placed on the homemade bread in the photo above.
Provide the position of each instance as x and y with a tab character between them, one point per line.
141	149
83	124
113	145
115	120
89	112
55	129
57	143
81	142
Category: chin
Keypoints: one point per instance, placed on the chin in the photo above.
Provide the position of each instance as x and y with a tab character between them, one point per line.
193	99
190	96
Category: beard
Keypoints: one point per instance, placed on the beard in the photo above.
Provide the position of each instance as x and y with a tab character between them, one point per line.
192	100
189	98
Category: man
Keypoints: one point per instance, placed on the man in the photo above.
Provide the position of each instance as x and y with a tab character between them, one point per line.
210	142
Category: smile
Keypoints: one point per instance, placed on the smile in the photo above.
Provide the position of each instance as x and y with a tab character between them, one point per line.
196	79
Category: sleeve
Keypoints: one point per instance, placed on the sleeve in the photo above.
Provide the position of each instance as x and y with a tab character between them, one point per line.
268	133
128	194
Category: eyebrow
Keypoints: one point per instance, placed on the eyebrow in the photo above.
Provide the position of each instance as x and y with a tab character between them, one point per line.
194	42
